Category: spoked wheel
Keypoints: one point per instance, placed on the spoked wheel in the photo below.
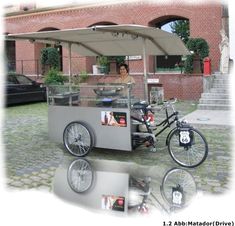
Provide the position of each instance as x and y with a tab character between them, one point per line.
80	175
178	187
78	139
190	155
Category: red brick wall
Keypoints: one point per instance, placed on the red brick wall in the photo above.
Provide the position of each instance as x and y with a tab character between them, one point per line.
205	22
184	87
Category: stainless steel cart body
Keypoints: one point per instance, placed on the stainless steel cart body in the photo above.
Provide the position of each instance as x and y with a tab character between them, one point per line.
93	105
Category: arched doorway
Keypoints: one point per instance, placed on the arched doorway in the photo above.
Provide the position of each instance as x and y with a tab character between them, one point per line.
173	24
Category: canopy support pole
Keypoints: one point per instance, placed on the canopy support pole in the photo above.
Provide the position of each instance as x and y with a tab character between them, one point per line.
70	72
145	70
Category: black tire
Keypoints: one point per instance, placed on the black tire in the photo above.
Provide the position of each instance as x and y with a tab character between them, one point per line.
80	175
183	181
78	138
188	156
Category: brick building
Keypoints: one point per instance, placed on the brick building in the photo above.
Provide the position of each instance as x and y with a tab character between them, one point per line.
206	20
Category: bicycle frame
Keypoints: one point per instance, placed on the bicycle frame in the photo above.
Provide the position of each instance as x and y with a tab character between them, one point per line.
166	123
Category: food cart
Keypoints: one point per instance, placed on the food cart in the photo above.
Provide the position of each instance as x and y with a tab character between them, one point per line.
99	116
92	116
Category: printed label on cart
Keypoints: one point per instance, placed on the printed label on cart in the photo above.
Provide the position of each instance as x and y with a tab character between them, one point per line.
112	202
110	118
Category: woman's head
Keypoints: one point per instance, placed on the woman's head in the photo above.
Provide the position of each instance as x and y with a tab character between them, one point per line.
123	68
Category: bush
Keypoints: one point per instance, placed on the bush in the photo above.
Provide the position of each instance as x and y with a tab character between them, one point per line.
50	56
54	77
198	46
188	64
82	77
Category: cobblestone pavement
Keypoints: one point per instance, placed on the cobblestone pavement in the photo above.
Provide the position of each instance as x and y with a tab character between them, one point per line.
31	159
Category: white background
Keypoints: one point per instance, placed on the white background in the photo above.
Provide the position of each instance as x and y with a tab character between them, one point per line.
42	208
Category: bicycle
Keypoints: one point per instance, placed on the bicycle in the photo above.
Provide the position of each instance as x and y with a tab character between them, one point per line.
186	145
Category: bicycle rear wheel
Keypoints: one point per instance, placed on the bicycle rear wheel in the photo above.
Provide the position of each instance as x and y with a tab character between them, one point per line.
80	175
78	139
190	155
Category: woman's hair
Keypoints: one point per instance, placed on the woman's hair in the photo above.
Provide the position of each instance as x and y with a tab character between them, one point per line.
124	65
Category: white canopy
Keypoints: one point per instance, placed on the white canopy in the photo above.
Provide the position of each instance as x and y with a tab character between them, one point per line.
111	40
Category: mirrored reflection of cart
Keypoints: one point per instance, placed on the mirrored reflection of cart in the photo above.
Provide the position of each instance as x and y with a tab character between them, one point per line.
123	187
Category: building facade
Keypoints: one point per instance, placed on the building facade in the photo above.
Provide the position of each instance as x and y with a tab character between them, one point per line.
205	20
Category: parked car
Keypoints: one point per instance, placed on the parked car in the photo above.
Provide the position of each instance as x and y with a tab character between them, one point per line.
21	89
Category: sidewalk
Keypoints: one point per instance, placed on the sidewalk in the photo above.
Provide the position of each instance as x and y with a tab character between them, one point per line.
210	117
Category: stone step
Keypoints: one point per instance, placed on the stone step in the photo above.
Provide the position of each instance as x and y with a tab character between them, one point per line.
214	107
221	81
220	76
219	90
215	96
221	86
215	101
217	73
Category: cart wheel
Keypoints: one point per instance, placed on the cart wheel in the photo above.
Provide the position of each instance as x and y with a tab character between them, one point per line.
188	156
80	175
78	139
178	187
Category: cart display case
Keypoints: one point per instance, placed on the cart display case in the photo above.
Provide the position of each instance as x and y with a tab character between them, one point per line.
98	115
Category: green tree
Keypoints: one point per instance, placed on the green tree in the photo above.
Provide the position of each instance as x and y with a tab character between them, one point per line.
49	57
181	28
199	47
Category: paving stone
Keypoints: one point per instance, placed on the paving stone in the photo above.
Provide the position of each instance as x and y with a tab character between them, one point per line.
36	178
44	176
32	158
16	184
26	181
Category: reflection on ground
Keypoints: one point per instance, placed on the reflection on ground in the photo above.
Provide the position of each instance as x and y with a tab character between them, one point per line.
123	187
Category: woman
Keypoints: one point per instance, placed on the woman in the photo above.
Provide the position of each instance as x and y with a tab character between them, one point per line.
124	76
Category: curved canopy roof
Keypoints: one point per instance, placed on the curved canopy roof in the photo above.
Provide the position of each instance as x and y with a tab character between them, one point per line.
111	40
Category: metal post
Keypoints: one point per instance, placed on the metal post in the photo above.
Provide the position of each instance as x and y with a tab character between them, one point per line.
70	74
145	70
22	67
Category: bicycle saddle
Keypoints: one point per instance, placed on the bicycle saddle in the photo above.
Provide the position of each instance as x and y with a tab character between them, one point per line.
140	105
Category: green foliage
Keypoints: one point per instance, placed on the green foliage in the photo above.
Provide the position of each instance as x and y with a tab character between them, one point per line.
181	28
188	64
118	59
198	46
103	60
54	77
83	76
50	56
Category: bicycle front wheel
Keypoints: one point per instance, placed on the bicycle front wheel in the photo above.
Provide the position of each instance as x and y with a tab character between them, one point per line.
188	156
178	187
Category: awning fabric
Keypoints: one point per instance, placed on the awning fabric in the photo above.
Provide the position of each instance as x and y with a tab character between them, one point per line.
111	40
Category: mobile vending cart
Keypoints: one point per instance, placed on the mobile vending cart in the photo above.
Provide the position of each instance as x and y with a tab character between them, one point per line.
99	116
